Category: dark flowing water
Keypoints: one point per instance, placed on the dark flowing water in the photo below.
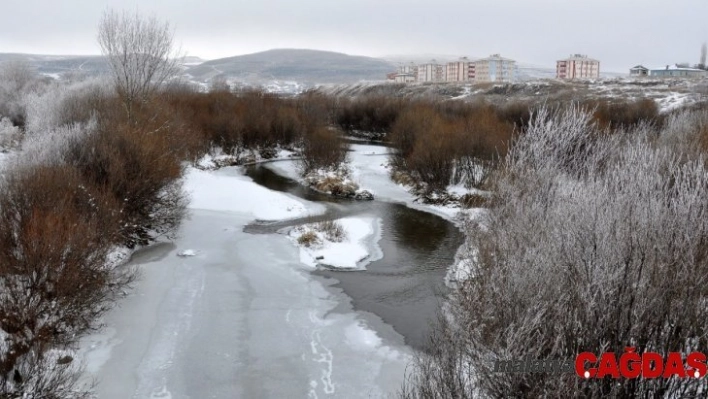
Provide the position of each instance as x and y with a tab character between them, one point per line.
406	286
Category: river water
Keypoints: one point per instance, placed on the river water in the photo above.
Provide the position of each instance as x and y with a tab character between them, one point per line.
405	287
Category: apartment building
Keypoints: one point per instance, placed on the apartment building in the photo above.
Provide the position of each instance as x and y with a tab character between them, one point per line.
431	72
461	70
494	68
578	66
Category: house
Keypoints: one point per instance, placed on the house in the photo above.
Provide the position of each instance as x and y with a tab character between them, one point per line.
404	78
578	66
676	70
494	68
639	70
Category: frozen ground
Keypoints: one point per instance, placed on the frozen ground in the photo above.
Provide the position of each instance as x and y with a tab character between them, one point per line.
242	317
358	247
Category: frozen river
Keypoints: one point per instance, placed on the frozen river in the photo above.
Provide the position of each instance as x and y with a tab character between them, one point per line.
243	318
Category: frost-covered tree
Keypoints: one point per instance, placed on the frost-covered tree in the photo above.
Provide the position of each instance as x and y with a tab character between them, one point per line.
140	52
16	79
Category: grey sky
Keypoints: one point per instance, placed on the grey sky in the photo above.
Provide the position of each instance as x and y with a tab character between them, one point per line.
620	33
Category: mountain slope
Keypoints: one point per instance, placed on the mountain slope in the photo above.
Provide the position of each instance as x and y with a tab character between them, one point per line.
306	66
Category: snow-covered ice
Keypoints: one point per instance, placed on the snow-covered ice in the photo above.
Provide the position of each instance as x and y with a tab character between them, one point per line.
358	248
244	318
227	190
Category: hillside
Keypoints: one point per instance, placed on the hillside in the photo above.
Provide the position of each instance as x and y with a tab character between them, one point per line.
304	66
54	65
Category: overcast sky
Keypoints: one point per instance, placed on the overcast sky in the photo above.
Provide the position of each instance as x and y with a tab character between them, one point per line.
620	33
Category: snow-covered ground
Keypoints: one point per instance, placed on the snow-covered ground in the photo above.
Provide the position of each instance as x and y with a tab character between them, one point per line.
240	318
357	248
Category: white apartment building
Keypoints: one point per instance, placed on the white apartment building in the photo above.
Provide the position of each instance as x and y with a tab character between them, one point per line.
431	72
461	70
578	66
494	68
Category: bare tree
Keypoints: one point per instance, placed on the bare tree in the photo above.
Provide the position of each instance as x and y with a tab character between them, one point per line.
140	52
704	53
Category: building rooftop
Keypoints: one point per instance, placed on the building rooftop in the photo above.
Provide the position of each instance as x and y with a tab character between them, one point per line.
676	67
579	57
495	57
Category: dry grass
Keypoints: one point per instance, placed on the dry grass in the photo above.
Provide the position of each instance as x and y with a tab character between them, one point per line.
308	239
332	230
474	201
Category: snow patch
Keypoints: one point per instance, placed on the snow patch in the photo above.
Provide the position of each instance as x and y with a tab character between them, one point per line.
358	248
187	253
227	191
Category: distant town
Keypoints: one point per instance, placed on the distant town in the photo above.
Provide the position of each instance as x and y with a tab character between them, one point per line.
498	69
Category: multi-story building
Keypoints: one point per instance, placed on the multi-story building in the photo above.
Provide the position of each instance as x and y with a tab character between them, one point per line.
494	69
408	69
460	71
431	72
578	66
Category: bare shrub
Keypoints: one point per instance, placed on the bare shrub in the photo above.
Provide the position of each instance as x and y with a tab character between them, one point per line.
247	120
55	233
449	144
137	168
372	113
322	148
624	114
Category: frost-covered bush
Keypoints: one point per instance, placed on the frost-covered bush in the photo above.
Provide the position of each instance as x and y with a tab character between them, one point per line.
52	374
65	104
593	243
17	79
686	132
10	135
